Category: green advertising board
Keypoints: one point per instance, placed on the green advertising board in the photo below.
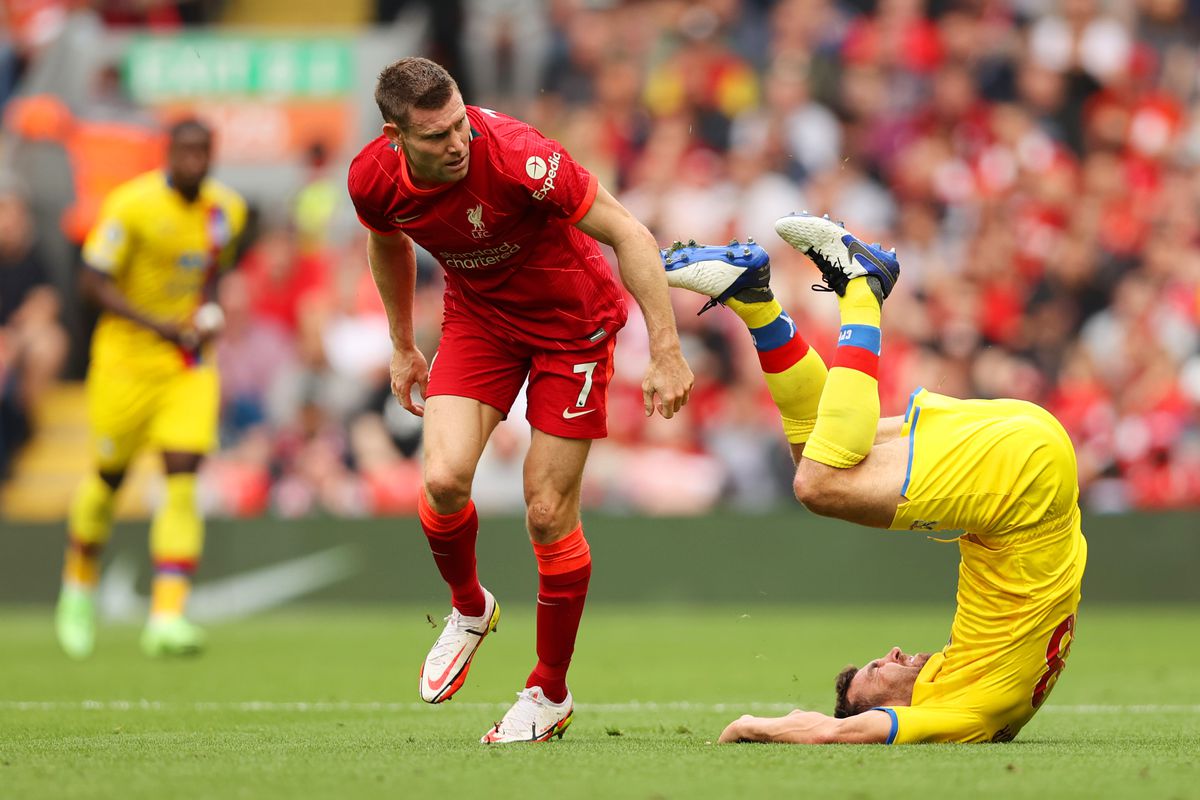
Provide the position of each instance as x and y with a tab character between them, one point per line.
160	69
787	556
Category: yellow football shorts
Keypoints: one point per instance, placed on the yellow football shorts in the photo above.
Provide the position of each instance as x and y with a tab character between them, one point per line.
988	467
172	412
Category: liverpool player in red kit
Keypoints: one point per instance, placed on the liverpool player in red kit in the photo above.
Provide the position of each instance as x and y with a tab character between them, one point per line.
514	222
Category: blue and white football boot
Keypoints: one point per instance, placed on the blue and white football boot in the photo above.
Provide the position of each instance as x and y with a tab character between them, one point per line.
741	271
841	256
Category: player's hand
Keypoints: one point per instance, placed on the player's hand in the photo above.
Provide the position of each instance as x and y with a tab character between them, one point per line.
409	368
738	730
670	379
208	322
183	335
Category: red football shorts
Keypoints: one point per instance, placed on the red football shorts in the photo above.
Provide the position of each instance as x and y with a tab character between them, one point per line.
568	389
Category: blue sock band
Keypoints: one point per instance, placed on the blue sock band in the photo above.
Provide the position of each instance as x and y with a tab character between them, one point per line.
773	334
864	336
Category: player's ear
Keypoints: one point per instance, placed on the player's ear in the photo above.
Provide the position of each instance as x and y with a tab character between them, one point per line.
393	133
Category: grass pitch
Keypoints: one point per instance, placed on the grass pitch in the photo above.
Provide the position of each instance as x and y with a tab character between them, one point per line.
323	703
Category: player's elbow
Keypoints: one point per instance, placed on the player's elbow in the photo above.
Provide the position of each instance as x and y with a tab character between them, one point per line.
824	736
826	731
632	235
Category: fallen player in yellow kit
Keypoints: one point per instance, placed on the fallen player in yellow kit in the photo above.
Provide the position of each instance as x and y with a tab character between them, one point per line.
1002	471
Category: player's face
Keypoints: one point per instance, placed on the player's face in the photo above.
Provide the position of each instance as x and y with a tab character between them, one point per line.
188	159
887	681
436	143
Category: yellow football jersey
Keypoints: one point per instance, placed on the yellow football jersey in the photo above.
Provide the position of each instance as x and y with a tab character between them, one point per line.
1004	472
160	250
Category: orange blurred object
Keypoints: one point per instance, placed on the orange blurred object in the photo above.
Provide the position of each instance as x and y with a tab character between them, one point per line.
102	154
33	23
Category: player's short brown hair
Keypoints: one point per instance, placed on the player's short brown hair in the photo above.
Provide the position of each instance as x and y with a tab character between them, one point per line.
842	707
409	83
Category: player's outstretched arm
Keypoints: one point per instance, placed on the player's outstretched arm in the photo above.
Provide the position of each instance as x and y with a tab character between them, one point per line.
394	267
810	727
668	376
101	289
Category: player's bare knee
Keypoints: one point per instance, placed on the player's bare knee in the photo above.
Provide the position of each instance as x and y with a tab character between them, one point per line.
813	485
800	487
177	463
807	481
546	518
448	491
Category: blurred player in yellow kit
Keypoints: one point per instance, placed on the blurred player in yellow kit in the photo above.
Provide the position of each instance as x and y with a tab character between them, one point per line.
151	265
1002	471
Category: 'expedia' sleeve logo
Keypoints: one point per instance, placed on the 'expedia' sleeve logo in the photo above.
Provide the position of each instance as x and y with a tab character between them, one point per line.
537	168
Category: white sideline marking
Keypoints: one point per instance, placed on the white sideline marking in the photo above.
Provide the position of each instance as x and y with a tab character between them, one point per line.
615	708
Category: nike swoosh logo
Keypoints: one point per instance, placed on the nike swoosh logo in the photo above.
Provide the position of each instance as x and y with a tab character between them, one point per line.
569	414
437	683
856	248
234	596
402	220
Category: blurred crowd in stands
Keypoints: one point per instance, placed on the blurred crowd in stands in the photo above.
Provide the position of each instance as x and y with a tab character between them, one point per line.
1036	165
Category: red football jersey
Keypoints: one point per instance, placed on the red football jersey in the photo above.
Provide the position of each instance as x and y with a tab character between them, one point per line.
505	234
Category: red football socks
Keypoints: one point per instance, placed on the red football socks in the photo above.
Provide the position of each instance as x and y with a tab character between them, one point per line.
564	569
452	542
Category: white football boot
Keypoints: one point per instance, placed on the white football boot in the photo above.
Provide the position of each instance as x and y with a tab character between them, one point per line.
841	256
532	718
446	667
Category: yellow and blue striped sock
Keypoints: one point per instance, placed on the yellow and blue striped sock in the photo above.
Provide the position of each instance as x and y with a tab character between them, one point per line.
848	413
794	372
